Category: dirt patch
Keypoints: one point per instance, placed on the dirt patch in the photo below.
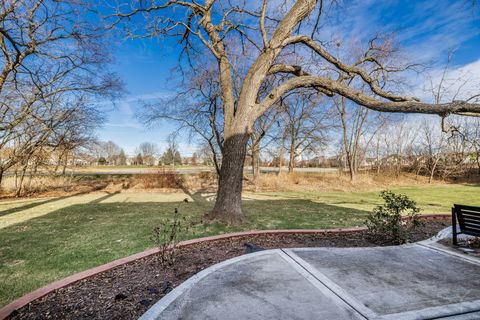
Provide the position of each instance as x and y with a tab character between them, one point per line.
127	291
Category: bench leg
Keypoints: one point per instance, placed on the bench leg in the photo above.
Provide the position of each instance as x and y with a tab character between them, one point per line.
454	227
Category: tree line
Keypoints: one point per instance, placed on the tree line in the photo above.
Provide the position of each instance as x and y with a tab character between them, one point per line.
147	153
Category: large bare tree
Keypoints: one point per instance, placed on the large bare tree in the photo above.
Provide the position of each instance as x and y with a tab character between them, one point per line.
274	29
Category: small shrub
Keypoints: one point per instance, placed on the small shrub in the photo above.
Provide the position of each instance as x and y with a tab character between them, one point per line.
395	220
166	238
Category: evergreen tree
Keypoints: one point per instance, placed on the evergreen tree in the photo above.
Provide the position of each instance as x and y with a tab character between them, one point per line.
177	157
139	159
122	158
168	157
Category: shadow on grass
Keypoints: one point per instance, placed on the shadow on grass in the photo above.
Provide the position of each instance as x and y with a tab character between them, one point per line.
196	196
36	204
105	197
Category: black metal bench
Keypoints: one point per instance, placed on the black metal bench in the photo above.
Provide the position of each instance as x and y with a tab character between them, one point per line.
468	218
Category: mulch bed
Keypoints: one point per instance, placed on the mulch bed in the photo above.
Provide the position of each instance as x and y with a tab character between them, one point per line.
127	291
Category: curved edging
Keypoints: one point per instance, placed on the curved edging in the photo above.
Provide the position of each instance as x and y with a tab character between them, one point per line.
43	291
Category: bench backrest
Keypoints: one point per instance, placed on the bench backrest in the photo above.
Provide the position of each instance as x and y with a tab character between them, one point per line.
469	219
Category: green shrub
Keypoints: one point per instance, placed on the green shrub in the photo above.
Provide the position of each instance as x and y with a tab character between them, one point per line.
395	220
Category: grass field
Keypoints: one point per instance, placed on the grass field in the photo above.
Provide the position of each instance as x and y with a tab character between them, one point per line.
43	240
432	199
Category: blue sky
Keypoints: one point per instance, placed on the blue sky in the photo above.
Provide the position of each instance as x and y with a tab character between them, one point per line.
145	68
426	30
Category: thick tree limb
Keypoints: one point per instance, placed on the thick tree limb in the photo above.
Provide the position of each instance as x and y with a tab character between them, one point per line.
455	107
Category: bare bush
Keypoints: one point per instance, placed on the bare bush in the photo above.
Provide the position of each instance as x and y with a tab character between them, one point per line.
164	178
166	237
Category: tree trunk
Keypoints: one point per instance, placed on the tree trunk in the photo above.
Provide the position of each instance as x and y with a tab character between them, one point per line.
432	171
65	162
64	168
59	162
280	159
18	192
1	178
291	163
478	163
228	205
255	163
16	178
377	156
33	173
351	166
72	172
352	172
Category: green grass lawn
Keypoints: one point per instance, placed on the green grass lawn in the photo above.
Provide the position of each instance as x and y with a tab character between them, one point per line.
432	199
86	232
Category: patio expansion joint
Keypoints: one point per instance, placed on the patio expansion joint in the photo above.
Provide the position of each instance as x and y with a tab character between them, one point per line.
339	296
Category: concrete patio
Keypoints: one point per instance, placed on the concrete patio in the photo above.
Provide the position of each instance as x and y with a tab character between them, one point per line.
416	281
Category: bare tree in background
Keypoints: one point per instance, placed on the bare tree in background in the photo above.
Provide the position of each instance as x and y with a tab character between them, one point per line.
307	119
396	146
75	133
434	146
111	151
449	146
172	156
196	110
213	24
258	136
71	128
57	121
205	154
473	137
149	152
358	125
52	55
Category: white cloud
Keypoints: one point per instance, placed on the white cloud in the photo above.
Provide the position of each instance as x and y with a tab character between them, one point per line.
425	29
454	83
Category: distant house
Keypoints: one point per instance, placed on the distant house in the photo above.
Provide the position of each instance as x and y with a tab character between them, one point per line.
193	160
